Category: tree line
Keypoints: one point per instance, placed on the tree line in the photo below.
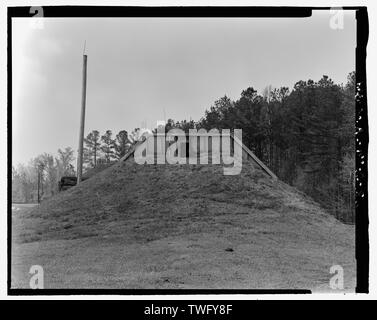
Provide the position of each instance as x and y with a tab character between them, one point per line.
305	136
104	148
45	170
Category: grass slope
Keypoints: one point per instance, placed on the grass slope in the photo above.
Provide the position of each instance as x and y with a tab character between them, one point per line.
180	226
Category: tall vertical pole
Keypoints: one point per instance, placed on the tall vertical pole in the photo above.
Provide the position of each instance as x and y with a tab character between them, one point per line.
39	181
82	122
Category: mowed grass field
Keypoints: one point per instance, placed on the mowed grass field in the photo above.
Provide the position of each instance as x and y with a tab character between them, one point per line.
181	227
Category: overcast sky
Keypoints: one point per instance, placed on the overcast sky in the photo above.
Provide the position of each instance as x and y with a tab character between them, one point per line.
139	68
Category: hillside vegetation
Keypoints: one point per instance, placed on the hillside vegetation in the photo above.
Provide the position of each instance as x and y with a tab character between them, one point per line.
180	226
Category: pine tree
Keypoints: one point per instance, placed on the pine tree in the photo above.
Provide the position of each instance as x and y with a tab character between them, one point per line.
122	144
92	148
108	146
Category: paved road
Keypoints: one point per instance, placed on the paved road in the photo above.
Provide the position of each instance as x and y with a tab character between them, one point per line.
17	206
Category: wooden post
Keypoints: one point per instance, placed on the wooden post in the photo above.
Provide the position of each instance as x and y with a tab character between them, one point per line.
39	181
82	122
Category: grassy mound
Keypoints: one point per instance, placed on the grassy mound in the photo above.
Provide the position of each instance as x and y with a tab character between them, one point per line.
256	222
167	196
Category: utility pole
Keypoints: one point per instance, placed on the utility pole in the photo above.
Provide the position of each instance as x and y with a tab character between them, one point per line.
82	121
39	171
39	181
